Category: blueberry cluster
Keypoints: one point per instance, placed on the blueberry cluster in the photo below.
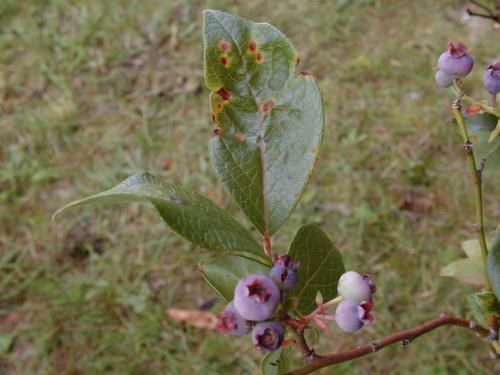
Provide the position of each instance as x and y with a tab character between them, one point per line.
256	298
456	63
354	310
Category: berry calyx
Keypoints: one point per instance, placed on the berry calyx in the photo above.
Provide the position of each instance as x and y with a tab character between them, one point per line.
268	336
231	322
256	297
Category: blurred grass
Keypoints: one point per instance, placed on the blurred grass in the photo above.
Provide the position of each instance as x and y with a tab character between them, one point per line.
93	91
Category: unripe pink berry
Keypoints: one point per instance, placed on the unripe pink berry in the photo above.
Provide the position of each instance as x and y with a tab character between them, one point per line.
455	61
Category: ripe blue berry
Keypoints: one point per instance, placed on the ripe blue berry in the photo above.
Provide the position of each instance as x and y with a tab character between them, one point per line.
268	336
256	297
352	315
444	79
284	272
230	321
455	61
353	286
491	78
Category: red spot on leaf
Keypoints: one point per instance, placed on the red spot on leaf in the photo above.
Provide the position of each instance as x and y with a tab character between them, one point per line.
224	46
252	46
473	110
267	106
305	73
239	137
224	60
223	94
259	57
216	133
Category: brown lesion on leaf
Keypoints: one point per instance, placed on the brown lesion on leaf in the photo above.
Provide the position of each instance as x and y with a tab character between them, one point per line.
259	57
305	73
216	133
224	59
239	137
315	162
297	60
214	118
252	46
267	106
219	107
223	93
224	46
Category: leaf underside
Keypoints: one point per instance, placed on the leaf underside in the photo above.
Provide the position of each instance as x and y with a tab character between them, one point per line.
480	128
321	266
269	119
224	272
494	266
187	213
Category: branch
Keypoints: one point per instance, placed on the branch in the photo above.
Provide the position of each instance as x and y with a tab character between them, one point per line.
404	337
456	108
490	15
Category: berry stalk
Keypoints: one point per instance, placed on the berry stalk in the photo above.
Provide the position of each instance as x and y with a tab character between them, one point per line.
456	108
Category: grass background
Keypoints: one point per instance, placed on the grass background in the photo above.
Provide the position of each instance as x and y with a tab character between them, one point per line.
92	91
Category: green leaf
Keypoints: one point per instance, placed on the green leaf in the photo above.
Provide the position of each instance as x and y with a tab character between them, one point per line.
320	267
189	214
275	363
468	270
269	119
480	128
6	342
494	266
465	271
223	273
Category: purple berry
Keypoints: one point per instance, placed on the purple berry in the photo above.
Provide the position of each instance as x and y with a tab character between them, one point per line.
455	61
230	321
256	297
491	78
268	336
444	79
352	315
353	286
284	272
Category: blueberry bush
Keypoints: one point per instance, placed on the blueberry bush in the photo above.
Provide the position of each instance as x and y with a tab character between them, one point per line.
268	125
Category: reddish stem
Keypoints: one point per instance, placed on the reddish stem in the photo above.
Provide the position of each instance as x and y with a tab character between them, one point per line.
404	337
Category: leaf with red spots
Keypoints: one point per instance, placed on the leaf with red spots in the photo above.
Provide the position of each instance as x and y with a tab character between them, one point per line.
276	112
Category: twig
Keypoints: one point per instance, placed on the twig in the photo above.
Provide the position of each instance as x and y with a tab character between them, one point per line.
489	13
456	108
404	337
